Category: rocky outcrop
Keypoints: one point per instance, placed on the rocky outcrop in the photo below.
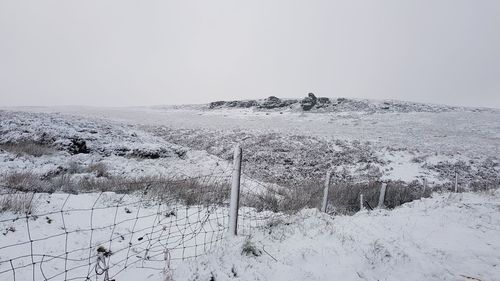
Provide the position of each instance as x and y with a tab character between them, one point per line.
324	104
236	104
217	104
308	102
274	102
73	145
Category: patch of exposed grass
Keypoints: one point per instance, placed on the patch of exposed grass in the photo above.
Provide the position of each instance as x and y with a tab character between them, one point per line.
343	198
28	148
24	181
18	203
191	191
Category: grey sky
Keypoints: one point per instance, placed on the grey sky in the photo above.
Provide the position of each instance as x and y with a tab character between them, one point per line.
170	52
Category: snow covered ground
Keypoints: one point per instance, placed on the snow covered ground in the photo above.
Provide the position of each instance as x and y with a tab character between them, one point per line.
136	237
446	237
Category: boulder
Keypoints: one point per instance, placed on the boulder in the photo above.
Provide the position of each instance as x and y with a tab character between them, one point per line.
77	146
323	102
216	104
308	102
271	102
247	104
237	104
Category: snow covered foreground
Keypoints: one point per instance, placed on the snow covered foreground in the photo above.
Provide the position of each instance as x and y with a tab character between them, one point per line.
447	237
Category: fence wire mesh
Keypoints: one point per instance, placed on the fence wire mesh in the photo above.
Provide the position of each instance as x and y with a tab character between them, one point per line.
102	235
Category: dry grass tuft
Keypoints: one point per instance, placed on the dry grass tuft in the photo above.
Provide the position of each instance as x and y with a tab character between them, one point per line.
343	197
24	181
18	203
99	169
28	148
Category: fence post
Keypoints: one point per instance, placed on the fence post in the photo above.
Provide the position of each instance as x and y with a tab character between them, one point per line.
381	198
325	191
235	191
456	182
361	205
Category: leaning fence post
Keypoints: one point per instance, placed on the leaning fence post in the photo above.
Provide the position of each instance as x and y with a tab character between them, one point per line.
325	191
381	198
235	192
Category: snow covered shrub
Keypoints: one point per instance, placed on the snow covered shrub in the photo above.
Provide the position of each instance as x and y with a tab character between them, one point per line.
99	169
91	183
250	249
306	195
343	197
28	148
287	200
484	186
74	168
197	191
205	190
18	203
61	182
269	200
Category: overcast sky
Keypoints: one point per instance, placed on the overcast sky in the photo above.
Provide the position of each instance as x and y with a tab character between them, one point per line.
121	53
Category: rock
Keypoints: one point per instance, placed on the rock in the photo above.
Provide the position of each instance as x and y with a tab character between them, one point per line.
146	154
268	103
308	102
247	104
271	102
323	102
45	139
216	104
153	153
238	104
77	146
232	104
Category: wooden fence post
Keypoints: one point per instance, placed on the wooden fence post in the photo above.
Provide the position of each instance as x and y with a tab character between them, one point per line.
235	192
361	205
381	197
325	191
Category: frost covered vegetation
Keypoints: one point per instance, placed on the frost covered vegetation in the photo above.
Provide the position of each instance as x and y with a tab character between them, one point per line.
56	152
42	151
296	159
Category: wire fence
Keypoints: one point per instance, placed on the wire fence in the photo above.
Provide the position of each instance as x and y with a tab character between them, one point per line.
104	234
137	229
141	229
